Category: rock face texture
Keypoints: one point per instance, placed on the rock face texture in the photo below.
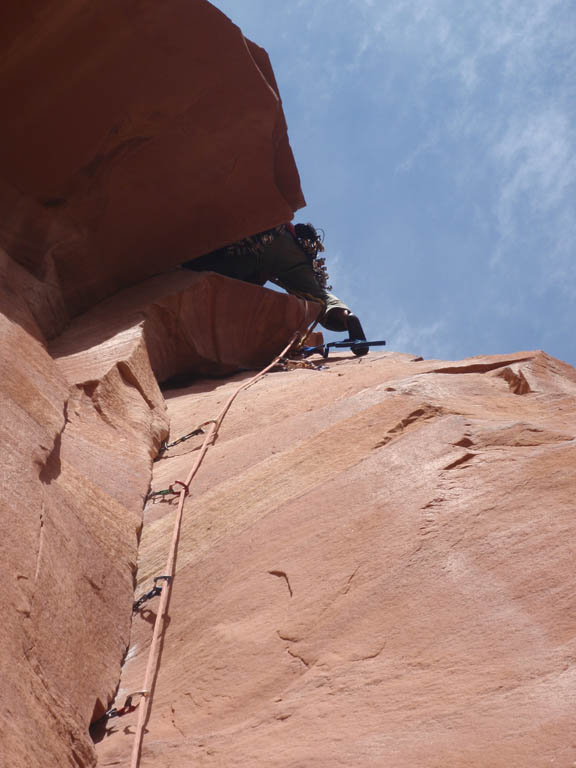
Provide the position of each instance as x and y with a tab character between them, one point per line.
376	568
189	323
79	430
68	524
134	137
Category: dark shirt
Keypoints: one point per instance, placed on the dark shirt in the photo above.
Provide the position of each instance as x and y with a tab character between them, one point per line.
281	261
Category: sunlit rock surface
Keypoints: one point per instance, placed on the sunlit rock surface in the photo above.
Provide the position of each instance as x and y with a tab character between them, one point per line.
79	432
376	567
73	483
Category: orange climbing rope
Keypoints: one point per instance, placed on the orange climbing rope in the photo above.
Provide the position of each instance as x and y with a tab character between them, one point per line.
152	666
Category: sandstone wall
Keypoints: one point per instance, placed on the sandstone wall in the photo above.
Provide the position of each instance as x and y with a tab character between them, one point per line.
69	525
376	568
80	424
134	137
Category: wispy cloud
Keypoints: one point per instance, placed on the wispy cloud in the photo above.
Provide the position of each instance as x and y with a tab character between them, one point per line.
427	341
537	161
509	68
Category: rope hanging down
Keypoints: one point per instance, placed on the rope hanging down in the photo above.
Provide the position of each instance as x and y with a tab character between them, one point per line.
146	693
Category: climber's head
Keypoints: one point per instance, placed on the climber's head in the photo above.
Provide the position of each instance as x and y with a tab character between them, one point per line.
310	240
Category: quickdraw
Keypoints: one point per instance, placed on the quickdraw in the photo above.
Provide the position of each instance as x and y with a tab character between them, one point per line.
154	592
166	445
129	706
195	432
169	491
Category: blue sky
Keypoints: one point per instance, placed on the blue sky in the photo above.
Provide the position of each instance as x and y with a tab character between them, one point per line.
436	141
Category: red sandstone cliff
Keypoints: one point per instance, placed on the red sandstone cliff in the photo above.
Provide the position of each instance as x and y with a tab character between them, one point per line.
377	559
80	424
133	137
376	568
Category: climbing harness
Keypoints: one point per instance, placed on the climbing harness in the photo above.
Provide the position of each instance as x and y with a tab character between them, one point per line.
154	592
164	592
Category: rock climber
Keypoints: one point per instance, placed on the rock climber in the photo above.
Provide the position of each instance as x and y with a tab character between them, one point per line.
288	256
